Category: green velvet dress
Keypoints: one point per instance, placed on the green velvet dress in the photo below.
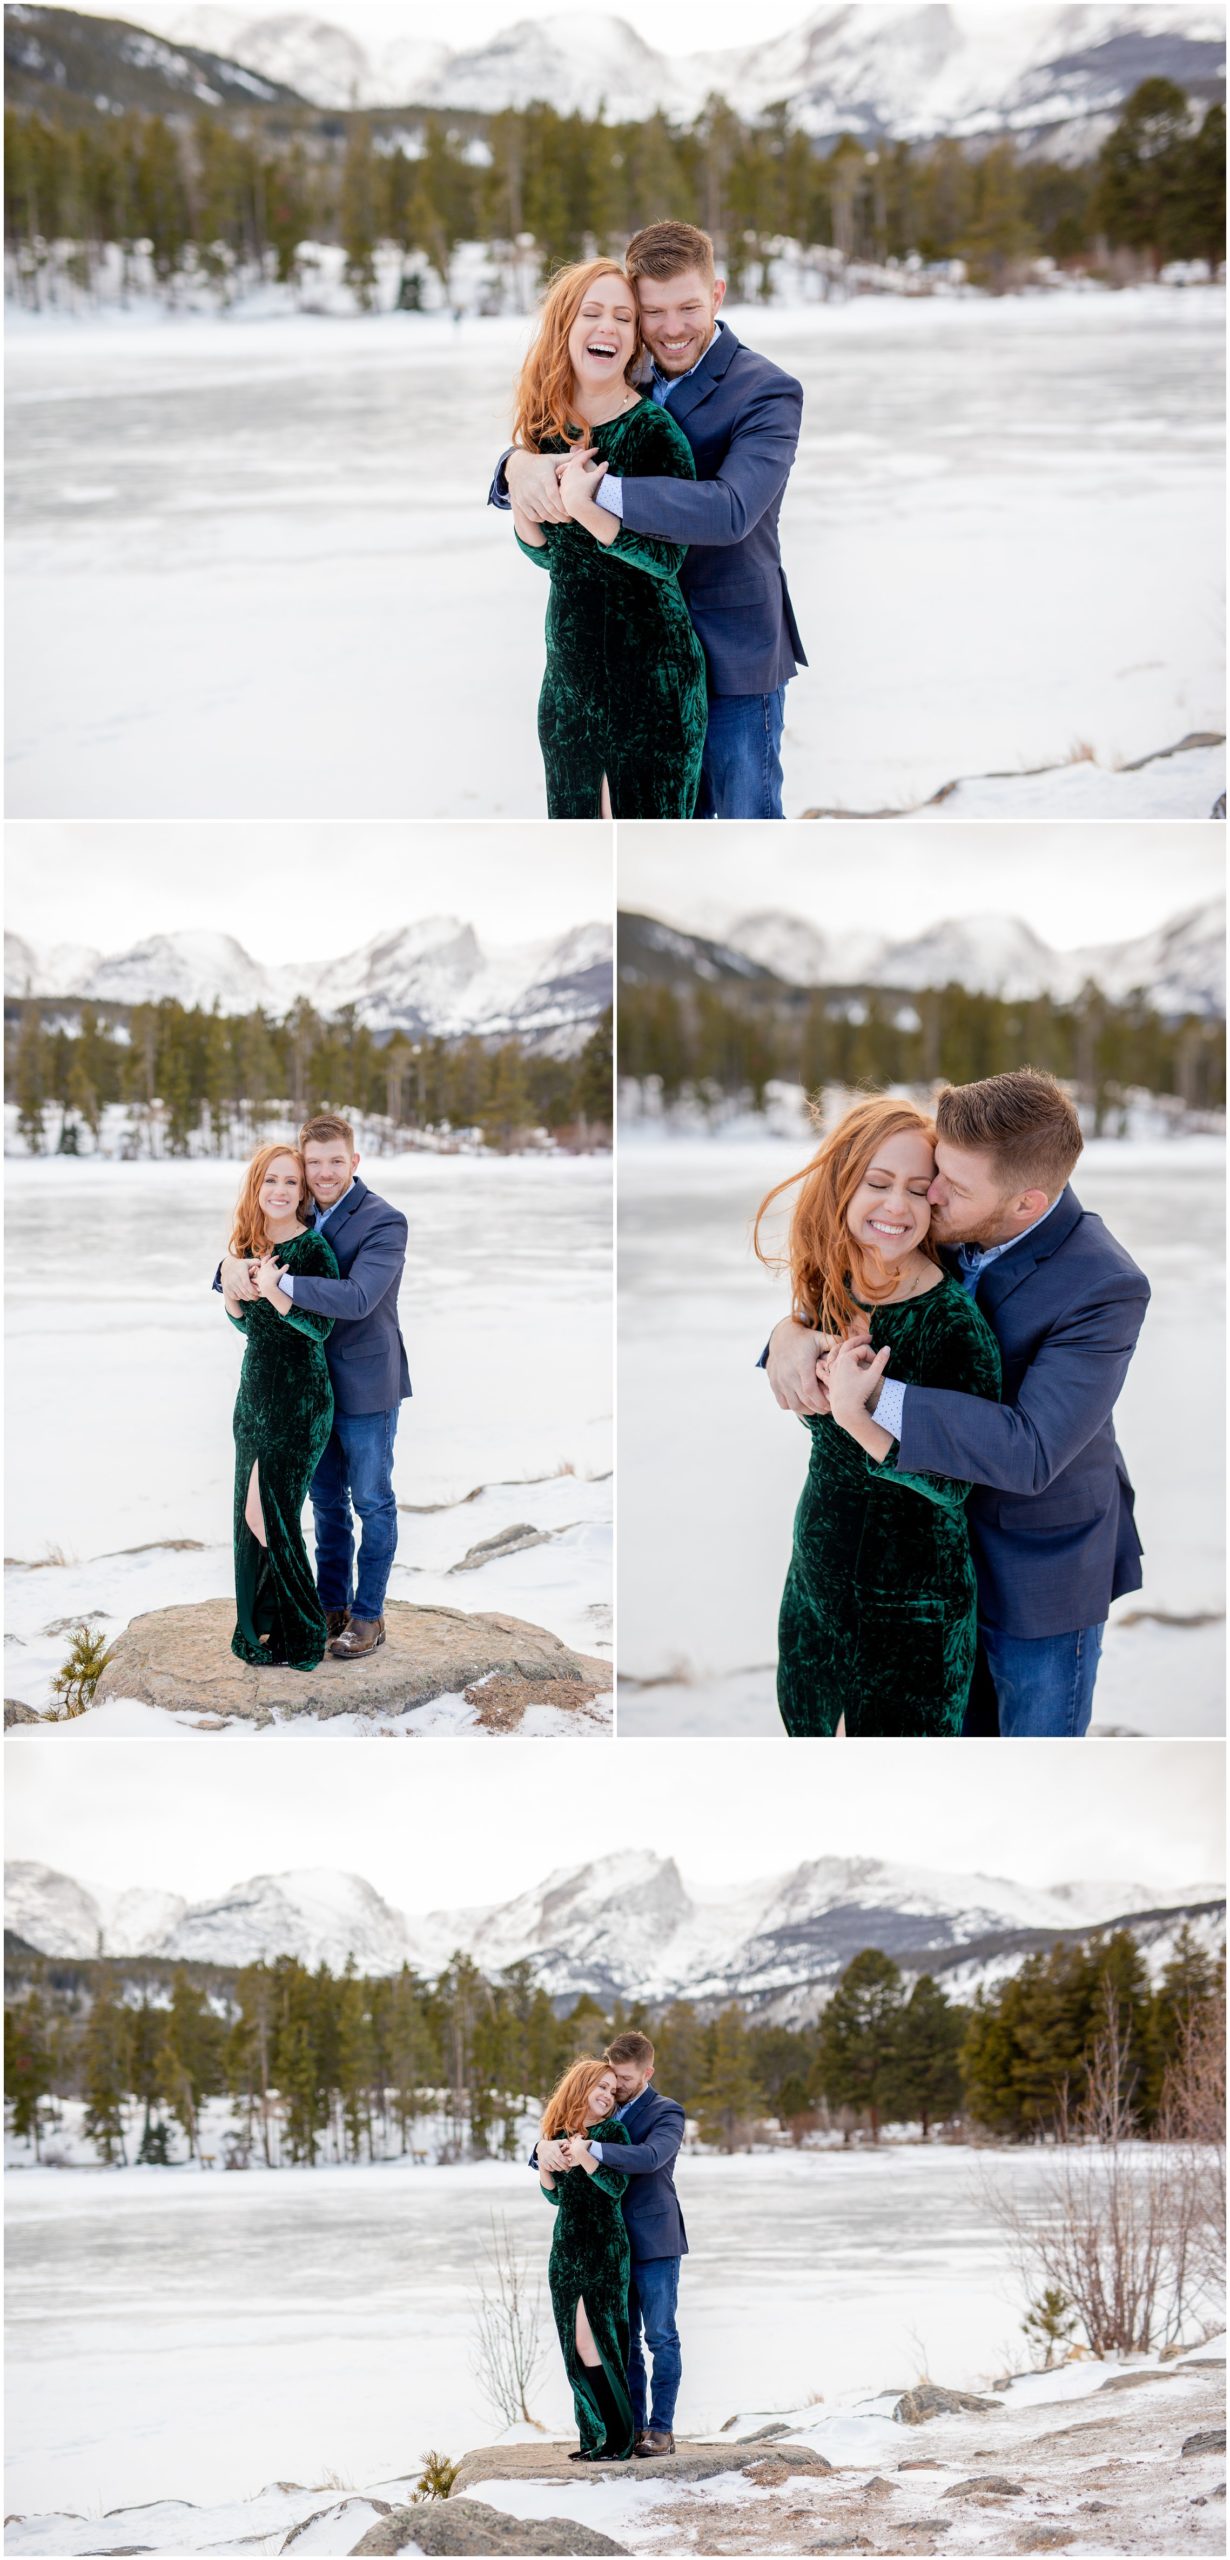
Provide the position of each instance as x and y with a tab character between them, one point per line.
879	1615
283	1418
591	2261
625	691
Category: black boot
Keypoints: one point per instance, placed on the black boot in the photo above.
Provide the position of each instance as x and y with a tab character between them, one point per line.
618	2442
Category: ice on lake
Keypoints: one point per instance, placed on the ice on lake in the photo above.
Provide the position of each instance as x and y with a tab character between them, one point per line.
222	2331
122	1372
252	572
710	1470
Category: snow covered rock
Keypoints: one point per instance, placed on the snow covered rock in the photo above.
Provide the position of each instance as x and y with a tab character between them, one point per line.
931	2400
550	2464
181	1659
462	2524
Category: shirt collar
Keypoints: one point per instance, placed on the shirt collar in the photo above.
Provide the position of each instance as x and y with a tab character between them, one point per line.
667	381
975	1257
323	1215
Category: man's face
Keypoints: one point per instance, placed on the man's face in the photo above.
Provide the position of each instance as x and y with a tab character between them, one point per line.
631	2078
969	1204
330	1169
677	317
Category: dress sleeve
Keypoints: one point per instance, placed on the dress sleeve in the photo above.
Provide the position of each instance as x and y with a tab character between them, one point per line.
317	1261
660	451
539	553
961	1352
552	2195
612	2181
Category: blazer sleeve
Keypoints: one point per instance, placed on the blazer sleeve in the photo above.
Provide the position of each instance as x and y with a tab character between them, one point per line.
661	2145
661	451
966	1357
753	473
1066	1395
319	1262
377	1268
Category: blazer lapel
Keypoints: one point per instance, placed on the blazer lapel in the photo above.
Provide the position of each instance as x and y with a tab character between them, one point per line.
1006	1274
697	386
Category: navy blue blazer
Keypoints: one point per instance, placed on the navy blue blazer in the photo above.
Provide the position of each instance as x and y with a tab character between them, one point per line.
741	415
365	1351
1052	1512
655	2129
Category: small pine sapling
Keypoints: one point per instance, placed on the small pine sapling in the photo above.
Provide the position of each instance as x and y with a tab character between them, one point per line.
77	1679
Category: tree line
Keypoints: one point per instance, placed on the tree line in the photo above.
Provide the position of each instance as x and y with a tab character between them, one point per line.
325	2065
187	1077
713	1042
225	196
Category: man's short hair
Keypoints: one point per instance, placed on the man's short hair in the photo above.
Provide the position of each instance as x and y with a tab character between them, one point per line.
632	2047
666	249
1024	1120
323	1128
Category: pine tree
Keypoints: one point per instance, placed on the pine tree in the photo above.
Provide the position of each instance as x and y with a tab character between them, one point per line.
730	2099
105	2071
27	2063
857	2058
929	2037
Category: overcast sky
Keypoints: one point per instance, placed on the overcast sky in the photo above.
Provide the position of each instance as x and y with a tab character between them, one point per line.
455	1824
1072	884
679	26
297	892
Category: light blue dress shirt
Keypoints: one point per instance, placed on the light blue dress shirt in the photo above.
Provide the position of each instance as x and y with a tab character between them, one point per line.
319	1219
611	492
972	1260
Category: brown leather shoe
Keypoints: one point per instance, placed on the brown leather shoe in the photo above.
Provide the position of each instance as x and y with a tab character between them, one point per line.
362	1635
647	2444
337	1621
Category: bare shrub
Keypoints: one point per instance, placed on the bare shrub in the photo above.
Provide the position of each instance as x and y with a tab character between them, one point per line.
508	2325
1127	2231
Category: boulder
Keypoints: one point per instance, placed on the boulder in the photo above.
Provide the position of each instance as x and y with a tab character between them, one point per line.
930	2400
464	2524
1208	2440
181	1659
993	2486
17	1712
550	2464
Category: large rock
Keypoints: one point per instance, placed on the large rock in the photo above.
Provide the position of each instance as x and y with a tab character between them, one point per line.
1207	2440
931	2400
550	2464
182	1659
464	2524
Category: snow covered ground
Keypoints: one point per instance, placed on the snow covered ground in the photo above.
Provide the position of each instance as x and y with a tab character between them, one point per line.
710	1469
122	1374
317	2326
1003	537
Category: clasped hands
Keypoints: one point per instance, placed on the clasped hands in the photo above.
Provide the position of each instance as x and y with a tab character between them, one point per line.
822	1373
258	1278
548	488
571	2151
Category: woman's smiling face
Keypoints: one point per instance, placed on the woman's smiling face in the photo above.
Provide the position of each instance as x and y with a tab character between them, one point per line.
279	1192
602	339
601	2100
890	1212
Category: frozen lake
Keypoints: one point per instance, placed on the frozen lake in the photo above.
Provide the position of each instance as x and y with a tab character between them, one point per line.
252	574
221	2332
122	1372
710	1469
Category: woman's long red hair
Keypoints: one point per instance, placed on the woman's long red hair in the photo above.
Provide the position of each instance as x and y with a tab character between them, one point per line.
564	2111
544	391
248	1235
829	1271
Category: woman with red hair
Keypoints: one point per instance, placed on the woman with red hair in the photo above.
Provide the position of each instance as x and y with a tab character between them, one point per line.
283	1416
590	2260
623	708
878	1622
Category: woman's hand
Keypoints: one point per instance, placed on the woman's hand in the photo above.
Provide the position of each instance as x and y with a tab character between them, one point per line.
579	2154
853	1374
578	487
268	1276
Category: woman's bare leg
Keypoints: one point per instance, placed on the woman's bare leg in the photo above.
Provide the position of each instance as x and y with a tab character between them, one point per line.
606	810
586	2348
252	1511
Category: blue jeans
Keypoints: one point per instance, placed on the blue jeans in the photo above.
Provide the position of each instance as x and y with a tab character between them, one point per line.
652	2296
356	1469
1043	1684
741	775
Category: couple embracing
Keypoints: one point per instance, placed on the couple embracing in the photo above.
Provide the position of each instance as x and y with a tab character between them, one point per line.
310	1279
960	1330
605	2160
651	455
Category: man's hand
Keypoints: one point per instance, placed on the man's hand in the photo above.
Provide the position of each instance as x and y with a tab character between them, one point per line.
579	2154
792	1367
534	488
238	1276
854	1381
553	2156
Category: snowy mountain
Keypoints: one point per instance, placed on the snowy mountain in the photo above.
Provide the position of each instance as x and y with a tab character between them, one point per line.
433	977
1049	74
1181	966
626	1926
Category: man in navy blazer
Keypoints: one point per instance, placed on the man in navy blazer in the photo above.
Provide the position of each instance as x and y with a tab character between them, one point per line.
369	1375
655	2129
1051	1514
741	415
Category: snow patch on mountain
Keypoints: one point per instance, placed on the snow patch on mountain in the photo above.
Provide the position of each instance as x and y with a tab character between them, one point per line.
1180	966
